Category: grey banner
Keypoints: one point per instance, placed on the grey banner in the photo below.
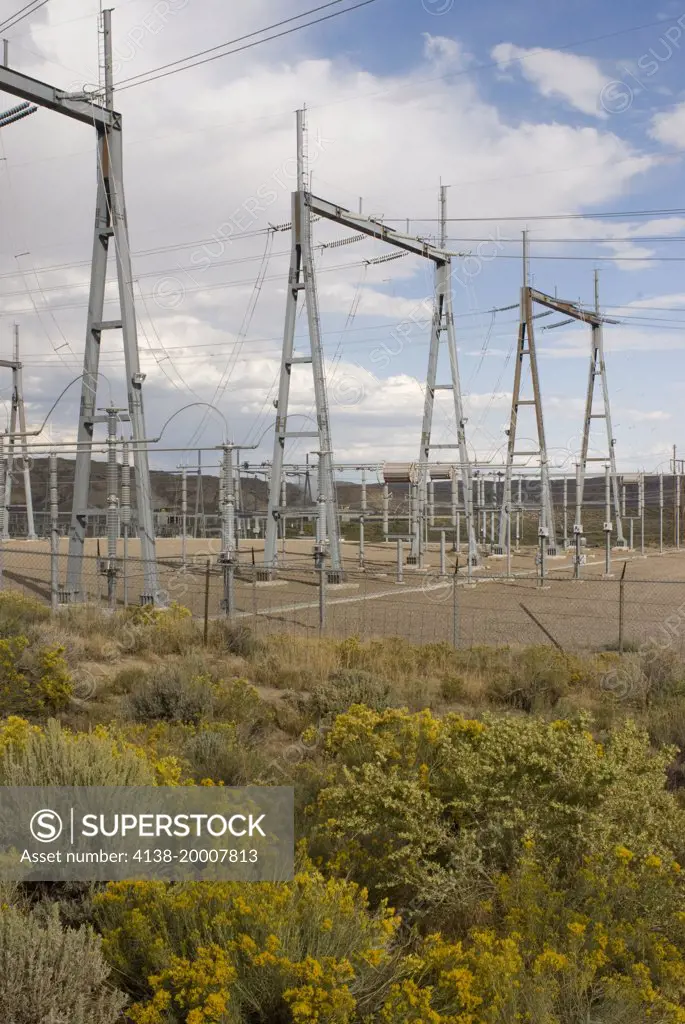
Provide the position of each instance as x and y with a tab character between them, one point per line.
92	833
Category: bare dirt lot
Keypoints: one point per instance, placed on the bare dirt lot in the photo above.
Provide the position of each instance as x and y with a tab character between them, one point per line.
424	607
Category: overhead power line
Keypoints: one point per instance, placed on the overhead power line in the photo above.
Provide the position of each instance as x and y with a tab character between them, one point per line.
677	212
22	13
164	70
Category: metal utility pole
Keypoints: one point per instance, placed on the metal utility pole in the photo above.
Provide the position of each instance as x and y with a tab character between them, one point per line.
110	223
443	329
184	515
228	556
17	420
54	532
598	369
301	278
199	500
526	347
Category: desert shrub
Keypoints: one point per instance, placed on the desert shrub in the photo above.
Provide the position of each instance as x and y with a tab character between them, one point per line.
32	681
256	953
217	753
452	688
52	975
128	679
271	670
535	678
53	756
608	948
235	700
18	613
347	687
173	693
232	638
161	631
486	783
663	671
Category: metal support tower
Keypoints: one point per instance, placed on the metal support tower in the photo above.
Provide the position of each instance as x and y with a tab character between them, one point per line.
442	328
598	369
17	417
526	347
302	279
110	222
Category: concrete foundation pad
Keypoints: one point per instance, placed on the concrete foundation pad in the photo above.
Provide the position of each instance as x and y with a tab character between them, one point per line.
262	584
335	587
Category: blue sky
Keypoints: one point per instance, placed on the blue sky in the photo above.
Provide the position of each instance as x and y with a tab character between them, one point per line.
515	107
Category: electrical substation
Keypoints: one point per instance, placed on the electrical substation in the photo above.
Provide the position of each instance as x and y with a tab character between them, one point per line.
237	528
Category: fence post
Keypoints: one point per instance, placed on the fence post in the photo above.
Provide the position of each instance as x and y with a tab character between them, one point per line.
54	533
621	608
442	553
321	558
400	560
206	629
661	513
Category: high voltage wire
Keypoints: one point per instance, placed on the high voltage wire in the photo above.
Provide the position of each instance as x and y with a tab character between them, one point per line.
677	212
166	272
15	18
231	42
153	76
176	246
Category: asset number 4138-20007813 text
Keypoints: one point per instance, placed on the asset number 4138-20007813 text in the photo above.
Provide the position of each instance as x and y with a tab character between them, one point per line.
196	856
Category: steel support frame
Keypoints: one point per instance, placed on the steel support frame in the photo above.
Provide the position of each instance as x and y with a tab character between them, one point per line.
526	347
302	278
597	368
110	221
443	324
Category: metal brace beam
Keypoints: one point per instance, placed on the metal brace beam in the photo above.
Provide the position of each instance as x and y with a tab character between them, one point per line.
374	229
16	84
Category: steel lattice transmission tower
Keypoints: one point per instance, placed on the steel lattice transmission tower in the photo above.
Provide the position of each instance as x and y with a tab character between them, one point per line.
110	223
443	329
526	348
301	278
598	369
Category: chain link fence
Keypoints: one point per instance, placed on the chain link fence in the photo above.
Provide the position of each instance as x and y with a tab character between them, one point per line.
488	608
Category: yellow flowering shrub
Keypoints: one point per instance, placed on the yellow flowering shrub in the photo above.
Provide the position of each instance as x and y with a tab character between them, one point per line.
53	755
405	794
32	682
310	948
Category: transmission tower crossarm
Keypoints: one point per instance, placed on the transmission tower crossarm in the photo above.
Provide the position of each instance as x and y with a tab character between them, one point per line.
373	228
44	95
570	309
